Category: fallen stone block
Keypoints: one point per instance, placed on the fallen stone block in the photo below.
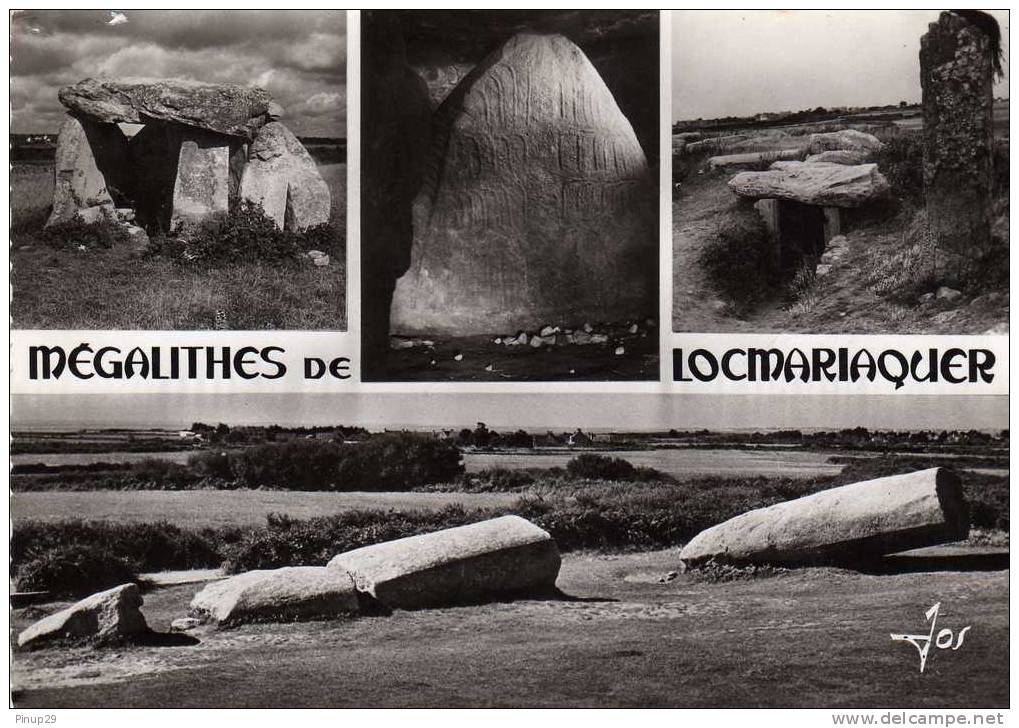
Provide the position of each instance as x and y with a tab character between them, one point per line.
286	594
852	523
847	139
753	159
823	184
507	556
106	617
842	156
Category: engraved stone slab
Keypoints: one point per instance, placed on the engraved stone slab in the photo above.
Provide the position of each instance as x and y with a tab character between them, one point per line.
537	203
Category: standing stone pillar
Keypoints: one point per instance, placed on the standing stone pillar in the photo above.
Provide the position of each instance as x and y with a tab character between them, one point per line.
202	187
956	74
80	180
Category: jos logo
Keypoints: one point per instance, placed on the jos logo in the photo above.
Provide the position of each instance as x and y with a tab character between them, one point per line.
945	639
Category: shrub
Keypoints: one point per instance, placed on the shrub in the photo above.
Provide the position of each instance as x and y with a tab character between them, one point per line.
73	570
163	474
398	461
739	257
141	546
75	233
292	465
288	542
901	162
244	234
914	269
600	467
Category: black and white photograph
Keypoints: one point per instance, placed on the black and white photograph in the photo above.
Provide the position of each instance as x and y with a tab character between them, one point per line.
178	169
509	195
854	181
673	371
509	550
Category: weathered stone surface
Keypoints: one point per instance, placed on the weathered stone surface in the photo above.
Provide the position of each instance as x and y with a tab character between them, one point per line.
713	144
753	159
108	616
500	557
96	213
224	108
537	205
80	181
854	522
845	140
202	187
294	592
956	76
835	185
842	156
284	179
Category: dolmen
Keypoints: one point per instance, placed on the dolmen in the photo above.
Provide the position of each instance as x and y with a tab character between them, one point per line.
850	524
824	184
201	150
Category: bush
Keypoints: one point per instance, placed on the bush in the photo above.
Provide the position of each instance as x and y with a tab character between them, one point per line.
600	467
246	233
45	553
398	461
901	162
739	258
288	542
73	570
75	233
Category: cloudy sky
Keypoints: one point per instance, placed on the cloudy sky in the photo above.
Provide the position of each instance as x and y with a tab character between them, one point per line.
510	411
737	63
299	56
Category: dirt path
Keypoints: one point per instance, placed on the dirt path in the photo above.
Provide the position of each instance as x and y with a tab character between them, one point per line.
844	302
811	638
696	305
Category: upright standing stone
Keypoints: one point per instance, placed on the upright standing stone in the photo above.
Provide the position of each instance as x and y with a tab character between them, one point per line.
537	204
956	73
202	187
283	178
80	181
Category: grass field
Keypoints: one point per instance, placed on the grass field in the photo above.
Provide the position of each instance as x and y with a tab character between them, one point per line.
809	638
115	289
200	508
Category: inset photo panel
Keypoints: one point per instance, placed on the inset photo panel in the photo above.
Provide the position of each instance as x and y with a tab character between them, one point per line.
178	169
509	195
840	171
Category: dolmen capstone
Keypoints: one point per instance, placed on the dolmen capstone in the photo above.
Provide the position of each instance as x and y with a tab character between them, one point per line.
286	594
813	183
849	524
537	203
501	557
187	162
108	617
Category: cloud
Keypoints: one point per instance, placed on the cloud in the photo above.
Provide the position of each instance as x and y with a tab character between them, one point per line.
299	56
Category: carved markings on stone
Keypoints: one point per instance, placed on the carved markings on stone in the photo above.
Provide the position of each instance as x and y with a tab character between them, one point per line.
534	162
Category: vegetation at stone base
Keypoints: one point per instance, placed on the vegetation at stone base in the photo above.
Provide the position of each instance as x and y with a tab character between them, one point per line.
55	288
578	513
901	162
739	259
75	557
245	234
